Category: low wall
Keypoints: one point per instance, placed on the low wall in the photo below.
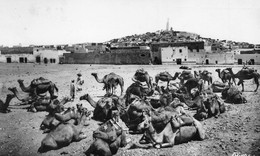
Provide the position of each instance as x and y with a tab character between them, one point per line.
119	57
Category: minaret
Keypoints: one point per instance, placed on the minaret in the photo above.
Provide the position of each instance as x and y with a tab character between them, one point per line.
167	25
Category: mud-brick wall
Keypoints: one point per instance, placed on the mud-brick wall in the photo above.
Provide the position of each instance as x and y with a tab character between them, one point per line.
118	57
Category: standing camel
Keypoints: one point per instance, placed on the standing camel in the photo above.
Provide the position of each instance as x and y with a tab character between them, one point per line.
39	86
110	82
245	74
165	76
225	76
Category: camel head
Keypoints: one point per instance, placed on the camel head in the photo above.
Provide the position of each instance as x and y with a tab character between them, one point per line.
10	96
14	89
84	97
94	74
229	69
20	81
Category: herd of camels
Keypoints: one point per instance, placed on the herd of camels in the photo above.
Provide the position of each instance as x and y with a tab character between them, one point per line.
160	113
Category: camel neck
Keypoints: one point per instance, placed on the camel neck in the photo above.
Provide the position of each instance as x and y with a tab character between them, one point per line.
8	99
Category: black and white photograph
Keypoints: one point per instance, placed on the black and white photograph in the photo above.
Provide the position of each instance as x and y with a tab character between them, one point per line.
129	78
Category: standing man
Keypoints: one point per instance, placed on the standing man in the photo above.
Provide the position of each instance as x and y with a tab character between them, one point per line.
79	82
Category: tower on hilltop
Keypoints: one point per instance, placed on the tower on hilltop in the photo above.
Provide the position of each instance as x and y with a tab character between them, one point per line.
167	25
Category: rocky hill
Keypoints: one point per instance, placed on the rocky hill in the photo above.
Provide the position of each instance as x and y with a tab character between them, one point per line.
163	36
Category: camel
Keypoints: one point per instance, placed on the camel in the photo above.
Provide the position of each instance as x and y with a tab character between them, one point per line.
108	138
39	103
172	134
225	76
110	82
63	135
233	95
25	98
103	107
218	86
245	74
192	83
142	76
39	86
206	76
165	76
212	106
4	105
185	75
56	117
138	90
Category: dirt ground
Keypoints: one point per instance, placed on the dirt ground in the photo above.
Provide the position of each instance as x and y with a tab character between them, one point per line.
237	130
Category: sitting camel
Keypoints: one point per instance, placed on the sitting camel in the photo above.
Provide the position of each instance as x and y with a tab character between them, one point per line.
142	76
38	103
165	76
206	76
104	106
212	106
54	118
245	74
4	105
110	82
23	97
225	76
63	135
39	86
172	134
108	138
233	95
139	90
185	75
218	86
192	83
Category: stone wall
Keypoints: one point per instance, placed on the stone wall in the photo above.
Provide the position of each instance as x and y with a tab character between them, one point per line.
116	57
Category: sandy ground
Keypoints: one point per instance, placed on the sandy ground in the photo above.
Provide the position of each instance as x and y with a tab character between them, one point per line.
237	130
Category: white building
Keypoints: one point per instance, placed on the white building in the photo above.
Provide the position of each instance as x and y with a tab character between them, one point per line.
174	54
48	55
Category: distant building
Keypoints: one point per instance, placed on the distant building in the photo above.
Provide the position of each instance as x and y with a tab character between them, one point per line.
175	55
156	49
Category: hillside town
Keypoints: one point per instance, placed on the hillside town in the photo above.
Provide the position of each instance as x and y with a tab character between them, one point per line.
160	47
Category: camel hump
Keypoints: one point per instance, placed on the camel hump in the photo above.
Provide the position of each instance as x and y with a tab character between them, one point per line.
40	81
247	71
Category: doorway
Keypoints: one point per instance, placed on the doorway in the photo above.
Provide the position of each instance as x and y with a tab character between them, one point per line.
178	61
38	59
9	60
239	61
21	60
207	61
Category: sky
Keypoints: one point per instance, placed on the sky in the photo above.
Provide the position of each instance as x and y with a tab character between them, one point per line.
42	22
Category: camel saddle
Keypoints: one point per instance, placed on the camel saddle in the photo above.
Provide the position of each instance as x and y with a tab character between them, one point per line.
40	81
140	72
205	72
164	74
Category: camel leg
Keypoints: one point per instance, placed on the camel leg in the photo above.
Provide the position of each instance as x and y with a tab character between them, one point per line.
242	86
257	83
200	129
